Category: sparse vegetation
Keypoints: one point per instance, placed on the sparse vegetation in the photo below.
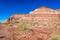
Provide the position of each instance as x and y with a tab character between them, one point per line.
32	26
23	26
27	24
11	25
49	23
33	23
16	31
56	37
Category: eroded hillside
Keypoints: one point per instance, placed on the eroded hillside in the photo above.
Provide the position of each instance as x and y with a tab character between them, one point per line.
41	24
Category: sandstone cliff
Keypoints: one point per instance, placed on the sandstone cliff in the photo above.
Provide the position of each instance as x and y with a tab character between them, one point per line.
35	15
41	24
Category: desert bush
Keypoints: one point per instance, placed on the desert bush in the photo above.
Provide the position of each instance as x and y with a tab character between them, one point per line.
56	37
11	25
33	23
25	25
49	23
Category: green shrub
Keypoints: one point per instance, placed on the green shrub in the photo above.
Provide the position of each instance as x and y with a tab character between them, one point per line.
31	30
27	24
56	37
11	25
33	23
23	26
16	31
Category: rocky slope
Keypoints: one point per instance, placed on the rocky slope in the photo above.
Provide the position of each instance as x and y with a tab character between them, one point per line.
40	24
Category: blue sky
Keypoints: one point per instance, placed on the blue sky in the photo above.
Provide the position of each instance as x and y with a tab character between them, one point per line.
10	7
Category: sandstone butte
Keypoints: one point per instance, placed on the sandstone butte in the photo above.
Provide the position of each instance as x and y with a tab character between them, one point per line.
41	24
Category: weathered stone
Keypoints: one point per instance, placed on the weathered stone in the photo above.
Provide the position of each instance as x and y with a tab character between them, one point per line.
5	33
48	25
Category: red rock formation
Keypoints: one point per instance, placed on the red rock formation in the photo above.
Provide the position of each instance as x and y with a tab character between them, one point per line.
42	12
47	24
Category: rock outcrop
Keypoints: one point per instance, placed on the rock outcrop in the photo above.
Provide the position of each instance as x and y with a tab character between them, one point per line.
40	24
40	13
5	33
